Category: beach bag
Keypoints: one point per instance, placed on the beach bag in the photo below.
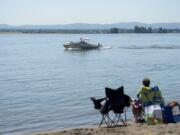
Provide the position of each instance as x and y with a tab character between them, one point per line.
175	110
153	114
176	113
168	115
172	112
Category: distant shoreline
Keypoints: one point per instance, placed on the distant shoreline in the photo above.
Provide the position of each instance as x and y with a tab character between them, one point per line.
11	32
114	30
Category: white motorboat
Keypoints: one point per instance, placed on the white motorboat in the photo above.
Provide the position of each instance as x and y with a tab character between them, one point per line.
82	44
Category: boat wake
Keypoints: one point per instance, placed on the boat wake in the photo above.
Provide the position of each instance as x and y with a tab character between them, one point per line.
152	47
165	47
106	47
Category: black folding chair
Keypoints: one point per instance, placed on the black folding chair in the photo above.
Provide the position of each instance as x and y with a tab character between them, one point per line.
115	101
119	101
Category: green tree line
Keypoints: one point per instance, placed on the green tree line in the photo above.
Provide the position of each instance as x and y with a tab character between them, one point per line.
137	29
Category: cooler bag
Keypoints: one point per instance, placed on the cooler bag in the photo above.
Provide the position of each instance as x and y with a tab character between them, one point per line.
176	113
168	116
153	114
172	113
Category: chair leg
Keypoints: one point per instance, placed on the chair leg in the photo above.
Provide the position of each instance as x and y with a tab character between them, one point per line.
104	117
125	117
113	122
109	120
116	119
119	119
106	122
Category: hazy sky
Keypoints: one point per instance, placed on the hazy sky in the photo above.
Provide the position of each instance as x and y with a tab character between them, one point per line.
88	11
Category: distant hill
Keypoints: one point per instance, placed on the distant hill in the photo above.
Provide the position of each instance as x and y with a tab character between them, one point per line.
124	25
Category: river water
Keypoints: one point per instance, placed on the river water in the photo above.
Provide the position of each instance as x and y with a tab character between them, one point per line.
44	87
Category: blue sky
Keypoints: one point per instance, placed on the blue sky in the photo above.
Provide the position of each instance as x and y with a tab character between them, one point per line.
20	12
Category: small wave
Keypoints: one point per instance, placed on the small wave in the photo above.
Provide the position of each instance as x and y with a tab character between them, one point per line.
132	47
106	47
164	47
152	47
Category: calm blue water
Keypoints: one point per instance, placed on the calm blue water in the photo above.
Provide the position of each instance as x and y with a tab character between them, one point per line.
43	86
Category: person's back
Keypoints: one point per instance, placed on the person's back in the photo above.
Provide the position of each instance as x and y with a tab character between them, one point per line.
148	95
144	93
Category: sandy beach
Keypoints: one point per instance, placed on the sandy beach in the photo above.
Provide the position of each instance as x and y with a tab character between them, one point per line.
131	129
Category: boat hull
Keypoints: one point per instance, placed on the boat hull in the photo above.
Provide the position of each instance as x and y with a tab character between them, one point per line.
80	45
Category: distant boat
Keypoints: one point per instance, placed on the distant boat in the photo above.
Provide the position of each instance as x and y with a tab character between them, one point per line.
82	44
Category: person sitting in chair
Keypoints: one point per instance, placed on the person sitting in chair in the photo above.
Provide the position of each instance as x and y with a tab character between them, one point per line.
146	96
149	95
